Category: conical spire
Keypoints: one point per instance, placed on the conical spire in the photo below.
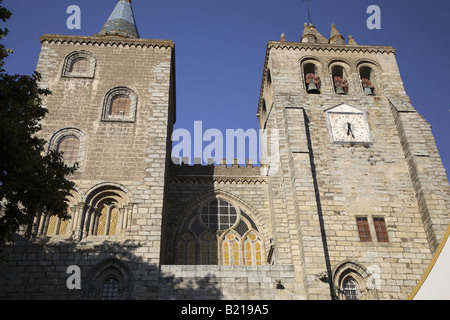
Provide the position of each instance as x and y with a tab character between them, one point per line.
351	40
308	35
335	36
320	38
121	22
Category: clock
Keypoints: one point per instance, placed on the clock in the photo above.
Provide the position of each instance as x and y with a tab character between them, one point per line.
348	126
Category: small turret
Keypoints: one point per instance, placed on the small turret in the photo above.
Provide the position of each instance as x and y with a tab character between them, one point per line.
335	36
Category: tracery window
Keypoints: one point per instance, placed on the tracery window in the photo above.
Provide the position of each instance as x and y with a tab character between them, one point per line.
217	232
218	215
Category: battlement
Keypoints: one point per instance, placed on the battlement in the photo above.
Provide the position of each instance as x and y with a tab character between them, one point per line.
181	169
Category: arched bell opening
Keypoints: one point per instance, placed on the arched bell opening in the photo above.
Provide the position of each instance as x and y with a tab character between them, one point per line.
339	77
312	79
367	80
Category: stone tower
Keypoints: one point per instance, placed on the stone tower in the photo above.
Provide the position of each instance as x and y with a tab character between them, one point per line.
361	199
111	110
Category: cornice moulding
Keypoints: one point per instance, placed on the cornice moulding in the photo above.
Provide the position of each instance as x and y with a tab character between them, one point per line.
106	40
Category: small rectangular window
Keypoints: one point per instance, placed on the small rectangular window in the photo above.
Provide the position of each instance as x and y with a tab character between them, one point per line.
363	229
381	230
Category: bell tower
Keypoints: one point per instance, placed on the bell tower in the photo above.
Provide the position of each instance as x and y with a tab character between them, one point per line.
358	173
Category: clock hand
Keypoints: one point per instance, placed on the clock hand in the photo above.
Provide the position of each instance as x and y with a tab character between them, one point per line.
349	130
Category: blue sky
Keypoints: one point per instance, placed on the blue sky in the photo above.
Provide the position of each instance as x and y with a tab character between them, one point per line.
220	47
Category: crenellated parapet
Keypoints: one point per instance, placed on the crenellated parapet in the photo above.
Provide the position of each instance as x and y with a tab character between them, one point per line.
181	171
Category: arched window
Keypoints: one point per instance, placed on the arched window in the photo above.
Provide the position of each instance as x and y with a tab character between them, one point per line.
52	225
186	249
108	212
73	143
57	226
110	288
218	232
231	249
253	249
208	249
79	64
120	104
107	220
111	279
70	147
354	282
350	289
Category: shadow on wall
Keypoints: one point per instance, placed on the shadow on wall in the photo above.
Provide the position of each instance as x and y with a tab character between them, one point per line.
38	269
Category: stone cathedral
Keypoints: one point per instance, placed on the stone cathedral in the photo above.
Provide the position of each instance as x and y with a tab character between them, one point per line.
354	208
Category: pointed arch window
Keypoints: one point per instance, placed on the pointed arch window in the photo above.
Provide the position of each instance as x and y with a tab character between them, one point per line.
110	288
253	249
111	279
186	249
231	249
218	232
350	289
208	249
354	282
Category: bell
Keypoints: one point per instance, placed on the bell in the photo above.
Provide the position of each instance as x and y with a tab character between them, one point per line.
312	88
340	90
368	91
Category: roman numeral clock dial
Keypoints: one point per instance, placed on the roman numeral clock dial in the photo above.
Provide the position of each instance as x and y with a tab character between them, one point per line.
348	127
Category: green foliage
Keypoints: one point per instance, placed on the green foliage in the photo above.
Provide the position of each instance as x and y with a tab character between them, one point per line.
32	181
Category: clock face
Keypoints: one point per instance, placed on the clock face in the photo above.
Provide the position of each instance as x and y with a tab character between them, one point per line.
349	127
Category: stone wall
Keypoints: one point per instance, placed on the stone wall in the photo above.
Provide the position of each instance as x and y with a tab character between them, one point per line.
227	283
